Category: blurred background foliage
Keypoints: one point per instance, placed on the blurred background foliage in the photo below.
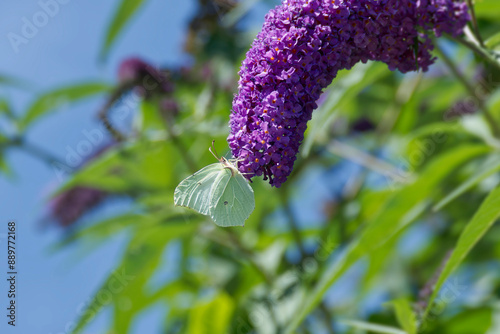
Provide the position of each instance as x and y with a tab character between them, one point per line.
385	226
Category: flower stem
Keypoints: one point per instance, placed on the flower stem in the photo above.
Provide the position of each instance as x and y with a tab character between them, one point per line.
103	113
485	54
474	23
486	112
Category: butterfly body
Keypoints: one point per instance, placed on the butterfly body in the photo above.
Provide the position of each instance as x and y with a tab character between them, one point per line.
220	191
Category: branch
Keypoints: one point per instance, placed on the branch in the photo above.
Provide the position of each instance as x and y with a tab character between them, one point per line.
474	23
485	54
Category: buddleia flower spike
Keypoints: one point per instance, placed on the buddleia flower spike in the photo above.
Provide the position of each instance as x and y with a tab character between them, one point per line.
302	46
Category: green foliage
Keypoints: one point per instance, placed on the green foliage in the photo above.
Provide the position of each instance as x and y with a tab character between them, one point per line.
487	9
126	10
405	315
391	170
213	316
483	219
399	211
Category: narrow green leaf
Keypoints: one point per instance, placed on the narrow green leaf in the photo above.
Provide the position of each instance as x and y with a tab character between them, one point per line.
124	13
389	222
405	315
134	167
437	131
212	317
128	280
483	219
373	328
57	98
493	41
4	167
487	9
471	182
479	320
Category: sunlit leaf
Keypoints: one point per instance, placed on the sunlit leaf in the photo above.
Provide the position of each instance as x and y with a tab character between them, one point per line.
487	9
469	321
483	219
132	168
405	315
480	175
211	317
390	221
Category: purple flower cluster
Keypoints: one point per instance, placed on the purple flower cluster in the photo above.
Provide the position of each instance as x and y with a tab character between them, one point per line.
68	207
302	46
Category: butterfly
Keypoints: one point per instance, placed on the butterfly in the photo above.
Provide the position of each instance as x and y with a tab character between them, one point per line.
218	190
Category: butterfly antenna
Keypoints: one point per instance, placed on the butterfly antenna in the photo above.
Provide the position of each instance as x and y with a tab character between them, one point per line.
214	154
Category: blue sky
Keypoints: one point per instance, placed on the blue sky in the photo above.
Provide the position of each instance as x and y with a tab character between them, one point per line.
52	287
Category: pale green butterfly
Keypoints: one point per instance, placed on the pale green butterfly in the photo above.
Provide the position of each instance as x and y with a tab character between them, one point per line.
218	190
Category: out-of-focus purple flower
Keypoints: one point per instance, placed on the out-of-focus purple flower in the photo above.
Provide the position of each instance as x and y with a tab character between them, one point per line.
169	109
138	73
69	206
302	46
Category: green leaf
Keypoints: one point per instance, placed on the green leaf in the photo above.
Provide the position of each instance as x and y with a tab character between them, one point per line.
372	328
136	166
483	219
437	131
405	315
470	321
57	98
487	9
493	41
127	281
150	119
398	214
122	16
211	317
471	182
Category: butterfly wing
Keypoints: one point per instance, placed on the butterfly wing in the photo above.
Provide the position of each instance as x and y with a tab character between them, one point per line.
194	191
232	199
